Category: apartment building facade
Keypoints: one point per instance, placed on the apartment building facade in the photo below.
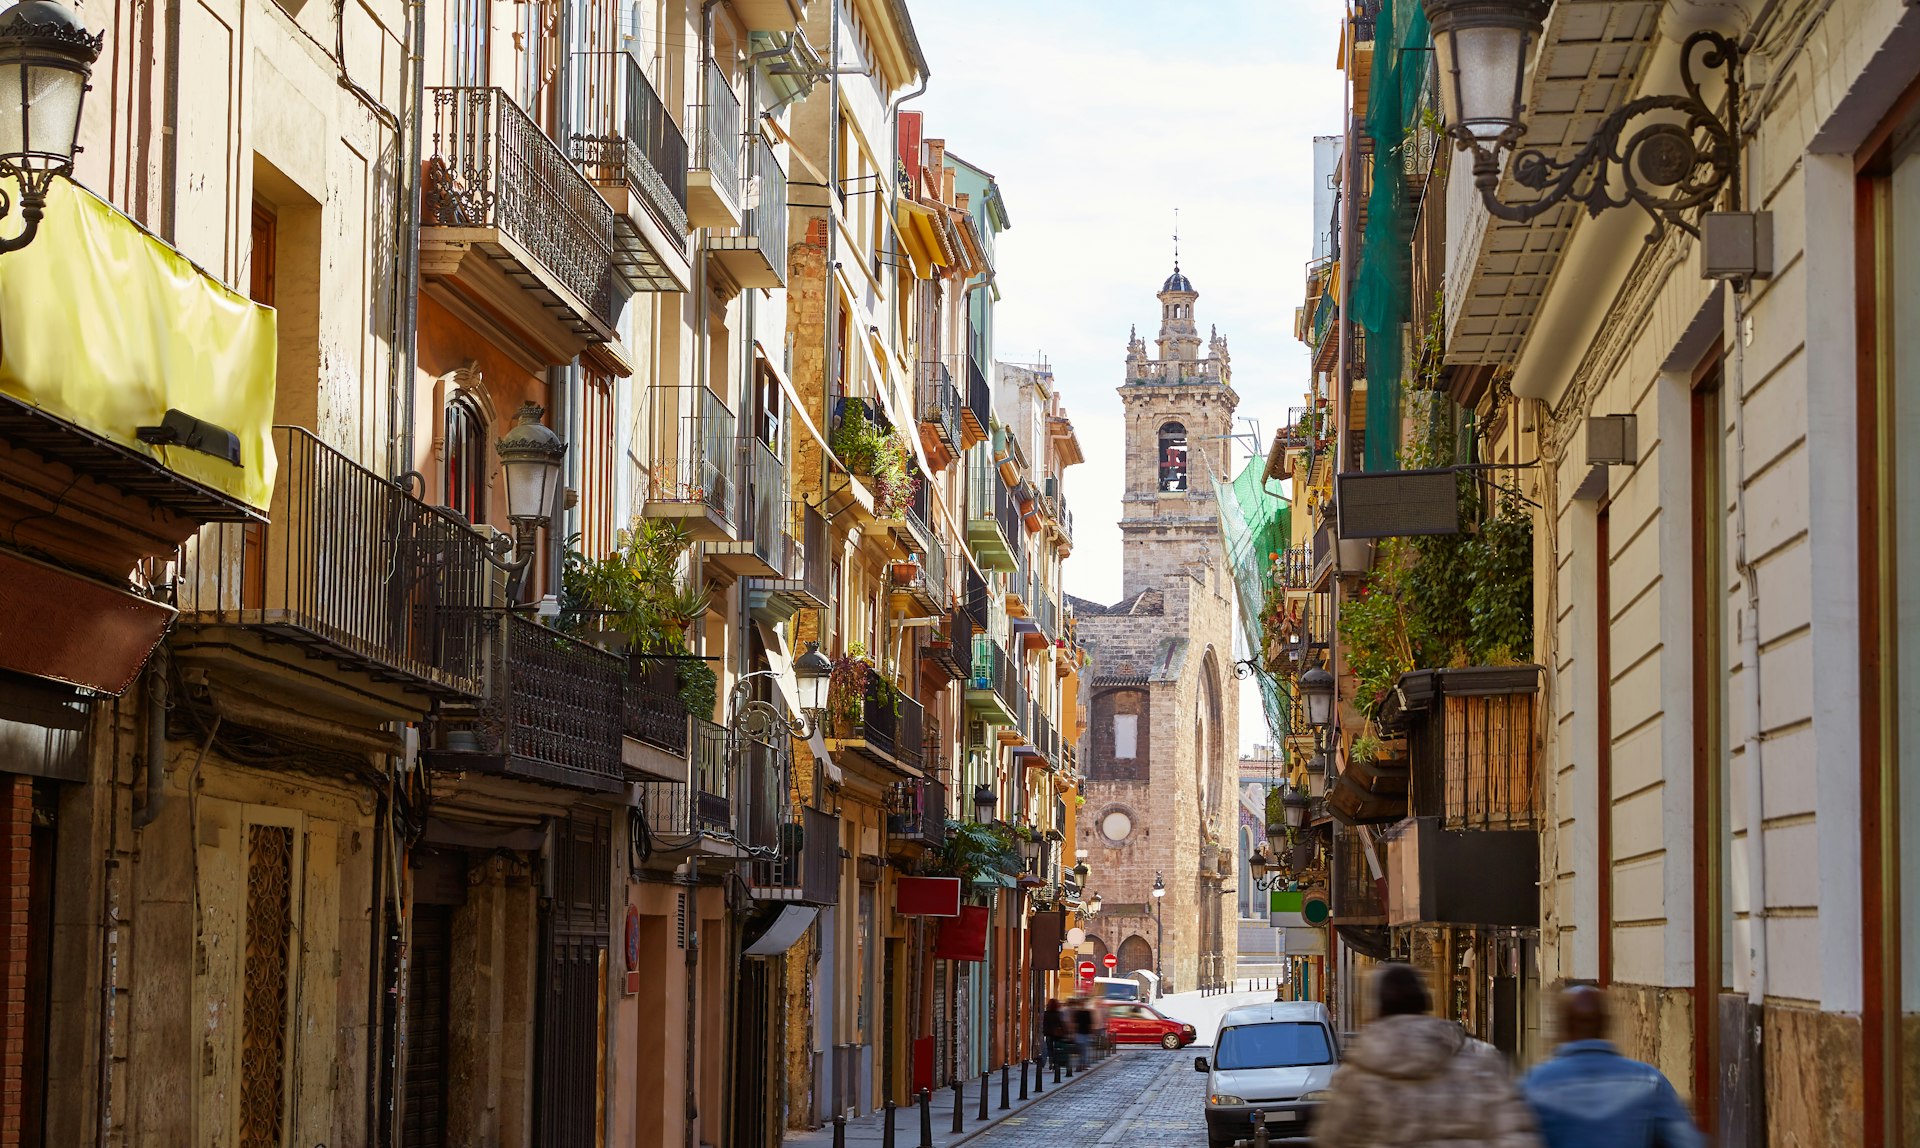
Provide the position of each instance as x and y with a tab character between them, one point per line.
431	746
1677	463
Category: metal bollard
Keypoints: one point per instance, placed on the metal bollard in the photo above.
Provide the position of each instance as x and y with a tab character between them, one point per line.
886	1127
839	1131
926	1118
982	1115
1023	1078
959	1103
1040	1074
1259	1129
1006	1100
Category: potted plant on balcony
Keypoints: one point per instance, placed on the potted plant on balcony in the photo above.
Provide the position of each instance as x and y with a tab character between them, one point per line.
879	452
847	689
632	600
906	571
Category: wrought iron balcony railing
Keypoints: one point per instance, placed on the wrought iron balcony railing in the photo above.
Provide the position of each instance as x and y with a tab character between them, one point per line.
699	467
717	147
352	568
939	403
644	153
952	648
806	870
490	166
554	710
923	816
892	723
803	564
679	814
993	521
654	712
992	689
977	415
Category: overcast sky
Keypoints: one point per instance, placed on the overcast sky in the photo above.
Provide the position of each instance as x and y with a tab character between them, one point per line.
1099	117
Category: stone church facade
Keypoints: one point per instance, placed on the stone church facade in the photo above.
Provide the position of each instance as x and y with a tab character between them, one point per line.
1160	752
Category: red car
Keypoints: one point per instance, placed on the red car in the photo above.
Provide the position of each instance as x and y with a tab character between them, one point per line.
1129	1022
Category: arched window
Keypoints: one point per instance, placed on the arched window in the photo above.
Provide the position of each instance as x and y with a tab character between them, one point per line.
465	473
1135	954
1173	457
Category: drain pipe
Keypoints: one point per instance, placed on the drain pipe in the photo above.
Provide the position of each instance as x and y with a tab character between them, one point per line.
156	787
410	150
1754	746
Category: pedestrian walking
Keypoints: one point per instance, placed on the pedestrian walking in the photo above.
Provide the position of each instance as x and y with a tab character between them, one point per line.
1590	1096
1083	1031
1411	1080
1059	1035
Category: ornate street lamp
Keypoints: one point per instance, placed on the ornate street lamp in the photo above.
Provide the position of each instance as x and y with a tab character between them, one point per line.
1159	928
530	454
984	803
1677	159
1316	690
46	58
815	675
1294	803
1093	905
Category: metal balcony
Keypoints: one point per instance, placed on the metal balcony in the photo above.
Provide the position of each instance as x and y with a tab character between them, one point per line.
553	713
939	410
760	548
640	167
714	182
698	812
656	722
976	417
806	870
924	595
693	484
991	690
951	649
803	569
755	253
921	816
890	733
993	522
352	570
509	223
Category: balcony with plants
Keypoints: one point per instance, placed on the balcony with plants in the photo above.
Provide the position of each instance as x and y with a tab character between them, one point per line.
512	227
1436	610
876	452
871	718
991	691
633	601
638	160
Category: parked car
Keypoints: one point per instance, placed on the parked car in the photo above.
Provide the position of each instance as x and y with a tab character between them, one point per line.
1129	1022
1273	1058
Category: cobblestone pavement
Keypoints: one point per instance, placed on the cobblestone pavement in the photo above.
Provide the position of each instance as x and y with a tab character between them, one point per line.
1147	1097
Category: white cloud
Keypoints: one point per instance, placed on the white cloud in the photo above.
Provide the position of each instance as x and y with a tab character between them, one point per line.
1099	118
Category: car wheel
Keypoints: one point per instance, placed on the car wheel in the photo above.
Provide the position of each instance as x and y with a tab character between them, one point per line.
1170	1042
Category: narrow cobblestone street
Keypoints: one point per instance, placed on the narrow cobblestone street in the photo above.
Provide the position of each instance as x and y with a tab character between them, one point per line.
1147	1097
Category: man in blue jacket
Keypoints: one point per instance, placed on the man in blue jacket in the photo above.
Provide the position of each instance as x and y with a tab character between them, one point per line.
1589	1096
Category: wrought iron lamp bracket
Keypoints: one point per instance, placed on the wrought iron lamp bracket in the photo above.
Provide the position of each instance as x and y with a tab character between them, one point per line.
1669	167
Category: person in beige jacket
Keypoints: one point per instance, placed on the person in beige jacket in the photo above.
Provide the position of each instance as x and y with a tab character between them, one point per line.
1410	1080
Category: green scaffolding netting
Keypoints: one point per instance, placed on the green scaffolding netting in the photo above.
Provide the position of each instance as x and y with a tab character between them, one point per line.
1257	525
1382	284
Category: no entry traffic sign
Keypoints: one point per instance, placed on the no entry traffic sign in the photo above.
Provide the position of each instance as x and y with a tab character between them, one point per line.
1086	970
1112	962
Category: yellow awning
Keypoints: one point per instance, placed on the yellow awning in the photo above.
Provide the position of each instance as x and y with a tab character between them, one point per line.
106	327
921	227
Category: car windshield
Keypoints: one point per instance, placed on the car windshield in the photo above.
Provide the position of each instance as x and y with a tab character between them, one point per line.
1122	992
1275	1045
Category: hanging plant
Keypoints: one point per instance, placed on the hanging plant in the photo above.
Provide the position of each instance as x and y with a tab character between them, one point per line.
847	686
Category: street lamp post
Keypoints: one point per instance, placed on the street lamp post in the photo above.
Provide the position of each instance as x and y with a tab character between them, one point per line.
46	58
1159	930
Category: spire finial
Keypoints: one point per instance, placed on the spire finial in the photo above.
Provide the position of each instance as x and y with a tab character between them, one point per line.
1176	239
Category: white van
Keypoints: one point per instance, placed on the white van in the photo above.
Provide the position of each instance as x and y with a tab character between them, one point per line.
1273	1058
